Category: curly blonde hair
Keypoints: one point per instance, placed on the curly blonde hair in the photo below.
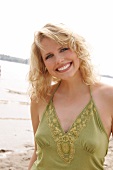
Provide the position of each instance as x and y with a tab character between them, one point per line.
39	77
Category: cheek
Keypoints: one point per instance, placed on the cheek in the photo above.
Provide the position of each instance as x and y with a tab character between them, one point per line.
49	67
76	59
77	63
74	55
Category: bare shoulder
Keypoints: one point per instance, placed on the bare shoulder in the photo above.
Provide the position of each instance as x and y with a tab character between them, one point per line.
37	108
104	89
103	98
103	95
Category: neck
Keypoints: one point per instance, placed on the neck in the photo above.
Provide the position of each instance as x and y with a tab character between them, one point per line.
72	86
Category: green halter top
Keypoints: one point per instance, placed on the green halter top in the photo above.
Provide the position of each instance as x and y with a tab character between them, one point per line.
83	147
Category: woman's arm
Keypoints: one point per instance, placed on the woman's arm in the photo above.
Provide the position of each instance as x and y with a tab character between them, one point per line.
35	123
32	160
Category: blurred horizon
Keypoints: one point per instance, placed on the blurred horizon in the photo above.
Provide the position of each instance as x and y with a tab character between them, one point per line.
92	19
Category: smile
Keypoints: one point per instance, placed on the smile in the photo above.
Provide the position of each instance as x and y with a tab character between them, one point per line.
64	68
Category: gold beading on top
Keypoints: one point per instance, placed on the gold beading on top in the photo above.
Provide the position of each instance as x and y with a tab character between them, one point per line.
65	141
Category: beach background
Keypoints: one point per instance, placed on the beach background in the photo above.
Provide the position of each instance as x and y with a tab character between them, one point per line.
16	134
19	19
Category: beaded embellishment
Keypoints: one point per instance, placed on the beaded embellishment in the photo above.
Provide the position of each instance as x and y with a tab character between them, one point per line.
65	141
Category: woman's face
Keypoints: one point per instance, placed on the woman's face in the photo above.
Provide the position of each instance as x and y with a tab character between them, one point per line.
59	60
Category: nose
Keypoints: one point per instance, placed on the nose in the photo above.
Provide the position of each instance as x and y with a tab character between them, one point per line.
59	59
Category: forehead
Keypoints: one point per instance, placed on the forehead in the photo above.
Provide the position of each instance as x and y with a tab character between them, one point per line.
49	45
47	42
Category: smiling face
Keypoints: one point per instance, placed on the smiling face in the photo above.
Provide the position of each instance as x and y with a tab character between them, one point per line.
60	61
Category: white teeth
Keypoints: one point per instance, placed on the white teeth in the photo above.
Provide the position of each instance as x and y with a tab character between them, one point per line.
64	67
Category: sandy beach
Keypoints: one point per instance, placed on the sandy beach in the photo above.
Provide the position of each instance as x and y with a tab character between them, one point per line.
16	135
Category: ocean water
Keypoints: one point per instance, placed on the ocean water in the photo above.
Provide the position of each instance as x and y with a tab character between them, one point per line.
14	75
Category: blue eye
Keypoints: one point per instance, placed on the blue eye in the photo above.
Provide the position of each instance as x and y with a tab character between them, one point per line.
49	56
64	49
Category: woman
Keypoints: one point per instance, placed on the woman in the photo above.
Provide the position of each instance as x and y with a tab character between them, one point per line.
71	111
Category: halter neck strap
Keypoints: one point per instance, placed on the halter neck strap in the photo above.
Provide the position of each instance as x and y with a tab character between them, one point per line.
55	91
90	91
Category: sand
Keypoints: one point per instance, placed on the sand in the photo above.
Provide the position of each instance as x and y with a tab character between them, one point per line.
16	135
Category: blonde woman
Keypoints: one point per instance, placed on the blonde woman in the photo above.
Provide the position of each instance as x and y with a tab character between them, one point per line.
71	110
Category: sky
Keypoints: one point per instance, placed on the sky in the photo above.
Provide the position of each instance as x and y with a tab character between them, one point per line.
93	19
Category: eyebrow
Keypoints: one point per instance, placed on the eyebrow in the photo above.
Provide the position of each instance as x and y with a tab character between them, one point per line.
47	54
52	53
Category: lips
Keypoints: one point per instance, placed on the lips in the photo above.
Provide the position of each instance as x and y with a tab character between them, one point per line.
64	67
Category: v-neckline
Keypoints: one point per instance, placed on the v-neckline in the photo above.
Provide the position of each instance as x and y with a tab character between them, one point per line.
75	120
